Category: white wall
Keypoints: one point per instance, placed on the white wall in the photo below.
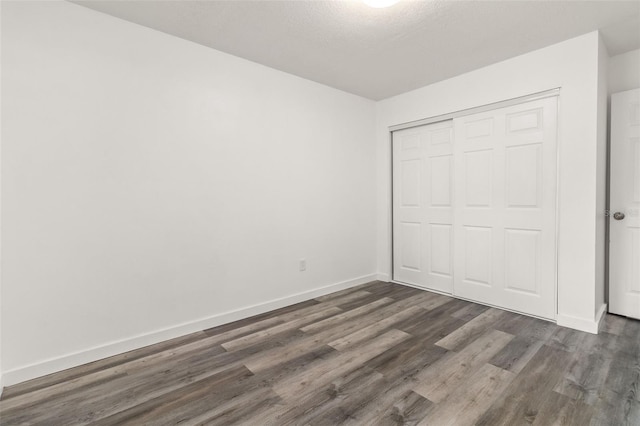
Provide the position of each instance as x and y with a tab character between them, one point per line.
151	185
1	375
624	72
571	65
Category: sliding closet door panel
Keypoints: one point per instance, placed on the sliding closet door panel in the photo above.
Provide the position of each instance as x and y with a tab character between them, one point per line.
408	198
478	209
505	211
530	209
423	206
439	210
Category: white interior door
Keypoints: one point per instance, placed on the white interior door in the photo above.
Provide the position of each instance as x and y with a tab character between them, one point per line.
422	206
504	215
624	226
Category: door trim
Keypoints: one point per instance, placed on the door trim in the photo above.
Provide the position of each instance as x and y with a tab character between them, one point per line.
495	105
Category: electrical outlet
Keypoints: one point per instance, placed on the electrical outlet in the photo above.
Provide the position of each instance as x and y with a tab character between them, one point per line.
303	265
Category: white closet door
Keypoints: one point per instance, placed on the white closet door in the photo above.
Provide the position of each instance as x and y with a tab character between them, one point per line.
504	216
422	206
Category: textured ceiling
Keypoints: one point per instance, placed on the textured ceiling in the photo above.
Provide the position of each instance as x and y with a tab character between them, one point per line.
378	53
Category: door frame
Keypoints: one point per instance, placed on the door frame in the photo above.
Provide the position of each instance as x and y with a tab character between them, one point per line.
609	210
555	92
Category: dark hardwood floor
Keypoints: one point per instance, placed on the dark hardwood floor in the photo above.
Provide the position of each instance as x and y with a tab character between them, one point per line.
379	354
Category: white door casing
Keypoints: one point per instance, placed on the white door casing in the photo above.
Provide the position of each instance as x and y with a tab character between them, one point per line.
422	206
624	233
477	218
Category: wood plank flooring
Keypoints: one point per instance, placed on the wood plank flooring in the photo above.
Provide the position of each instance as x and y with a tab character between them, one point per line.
377	354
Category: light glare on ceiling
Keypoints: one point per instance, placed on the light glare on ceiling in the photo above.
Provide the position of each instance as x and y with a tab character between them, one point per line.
380	3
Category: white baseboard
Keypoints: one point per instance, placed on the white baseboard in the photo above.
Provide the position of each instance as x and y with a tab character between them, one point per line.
32	371
602	312
582	324
384	277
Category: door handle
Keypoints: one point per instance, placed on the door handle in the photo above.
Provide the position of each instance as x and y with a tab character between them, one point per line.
618	215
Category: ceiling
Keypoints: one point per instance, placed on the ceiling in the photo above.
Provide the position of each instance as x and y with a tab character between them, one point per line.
378	53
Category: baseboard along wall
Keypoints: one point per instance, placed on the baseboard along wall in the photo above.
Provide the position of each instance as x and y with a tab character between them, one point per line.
582	324
32	371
